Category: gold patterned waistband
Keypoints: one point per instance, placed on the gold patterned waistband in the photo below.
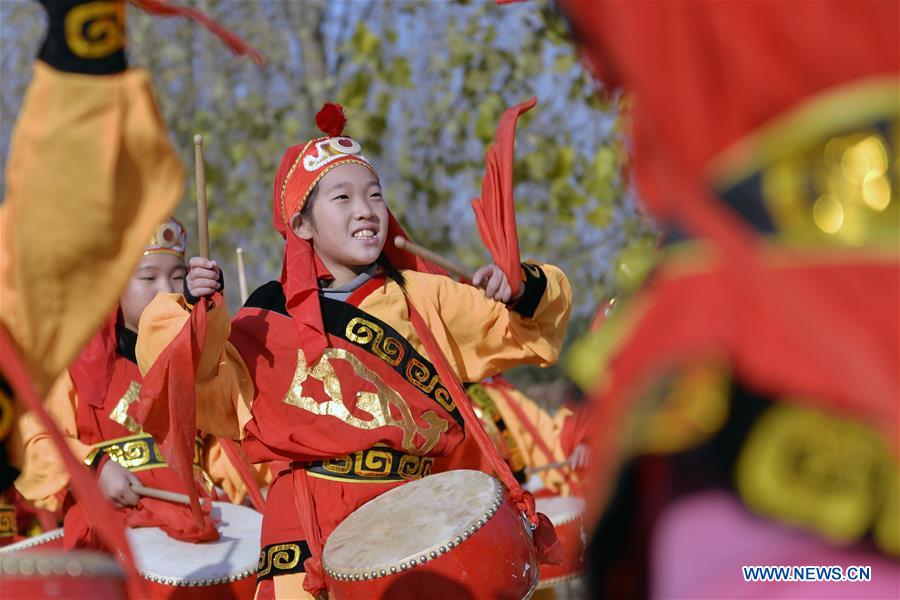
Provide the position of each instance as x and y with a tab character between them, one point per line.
7	521
139	452
375	465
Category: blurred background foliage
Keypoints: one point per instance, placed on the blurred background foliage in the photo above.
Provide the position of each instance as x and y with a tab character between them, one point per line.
423	84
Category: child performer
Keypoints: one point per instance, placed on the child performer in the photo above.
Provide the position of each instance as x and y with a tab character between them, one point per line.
543	438
89	404
325	367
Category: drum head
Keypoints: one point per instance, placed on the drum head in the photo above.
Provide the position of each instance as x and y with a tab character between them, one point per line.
233	556
412	519
560	509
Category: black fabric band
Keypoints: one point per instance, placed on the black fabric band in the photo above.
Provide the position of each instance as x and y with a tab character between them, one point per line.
283	558
85	36
375	465
126	342
535	285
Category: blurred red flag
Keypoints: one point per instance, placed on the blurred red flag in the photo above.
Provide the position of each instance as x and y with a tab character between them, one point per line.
232	40
495	211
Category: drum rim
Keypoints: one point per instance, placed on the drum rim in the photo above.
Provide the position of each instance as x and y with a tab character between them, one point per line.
64	564
33	541
428	554
182	582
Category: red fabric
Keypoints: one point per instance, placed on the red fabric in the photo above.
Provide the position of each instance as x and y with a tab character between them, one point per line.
548	547
704	74
82	483
167	408
92	371
495	211
698	315
232	40
94	426
575	430
305	506
236	458
697	91
79	533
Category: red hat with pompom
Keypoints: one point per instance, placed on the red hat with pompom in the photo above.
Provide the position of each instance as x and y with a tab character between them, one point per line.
316	158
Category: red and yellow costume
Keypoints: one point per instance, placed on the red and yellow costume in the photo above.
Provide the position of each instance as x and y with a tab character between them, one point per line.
343	390
535	432
526	435
89	405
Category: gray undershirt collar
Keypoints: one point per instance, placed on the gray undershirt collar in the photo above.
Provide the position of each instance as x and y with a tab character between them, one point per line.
342	292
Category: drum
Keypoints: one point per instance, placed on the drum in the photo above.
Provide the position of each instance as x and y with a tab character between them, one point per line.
449	535
54	574
52	540
566	514
225	568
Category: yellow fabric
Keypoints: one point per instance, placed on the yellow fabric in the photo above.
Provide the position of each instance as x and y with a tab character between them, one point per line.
226	476
43	474
480	337
549	427
289	587
91	173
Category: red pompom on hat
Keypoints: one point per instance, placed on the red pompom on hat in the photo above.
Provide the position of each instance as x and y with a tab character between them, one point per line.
331	119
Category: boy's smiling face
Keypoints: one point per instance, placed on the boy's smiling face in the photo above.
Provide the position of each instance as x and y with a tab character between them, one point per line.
347	222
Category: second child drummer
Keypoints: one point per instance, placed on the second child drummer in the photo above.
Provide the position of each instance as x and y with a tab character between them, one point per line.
89	404
325	369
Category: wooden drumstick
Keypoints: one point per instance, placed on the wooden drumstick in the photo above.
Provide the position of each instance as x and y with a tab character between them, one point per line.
242	275
445	263
160	494
200	178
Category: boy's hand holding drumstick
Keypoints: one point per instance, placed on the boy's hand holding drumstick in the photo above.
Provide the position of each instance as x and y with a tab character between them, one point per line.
203	277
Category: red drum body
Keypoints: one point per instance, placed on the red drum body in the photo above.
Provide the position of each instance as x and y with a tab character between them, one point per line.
53	574
566	514
225	568
52	540
449	535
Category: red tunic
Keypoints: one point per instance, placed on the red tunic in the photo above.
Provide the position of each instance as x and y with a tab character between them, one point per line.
102	422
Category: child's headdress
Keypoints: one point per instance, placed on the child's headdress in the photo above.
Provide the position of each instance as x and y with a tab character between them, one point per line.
169	237
316	158
302	167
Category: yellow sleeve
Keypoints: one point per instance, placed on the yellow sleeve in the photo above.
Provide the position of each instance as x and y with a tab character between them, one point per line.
224	388
44	474
482	337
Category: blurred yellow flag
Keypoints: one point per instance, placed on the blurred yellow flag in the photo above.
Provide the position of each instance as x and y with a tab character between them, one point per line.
91	173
